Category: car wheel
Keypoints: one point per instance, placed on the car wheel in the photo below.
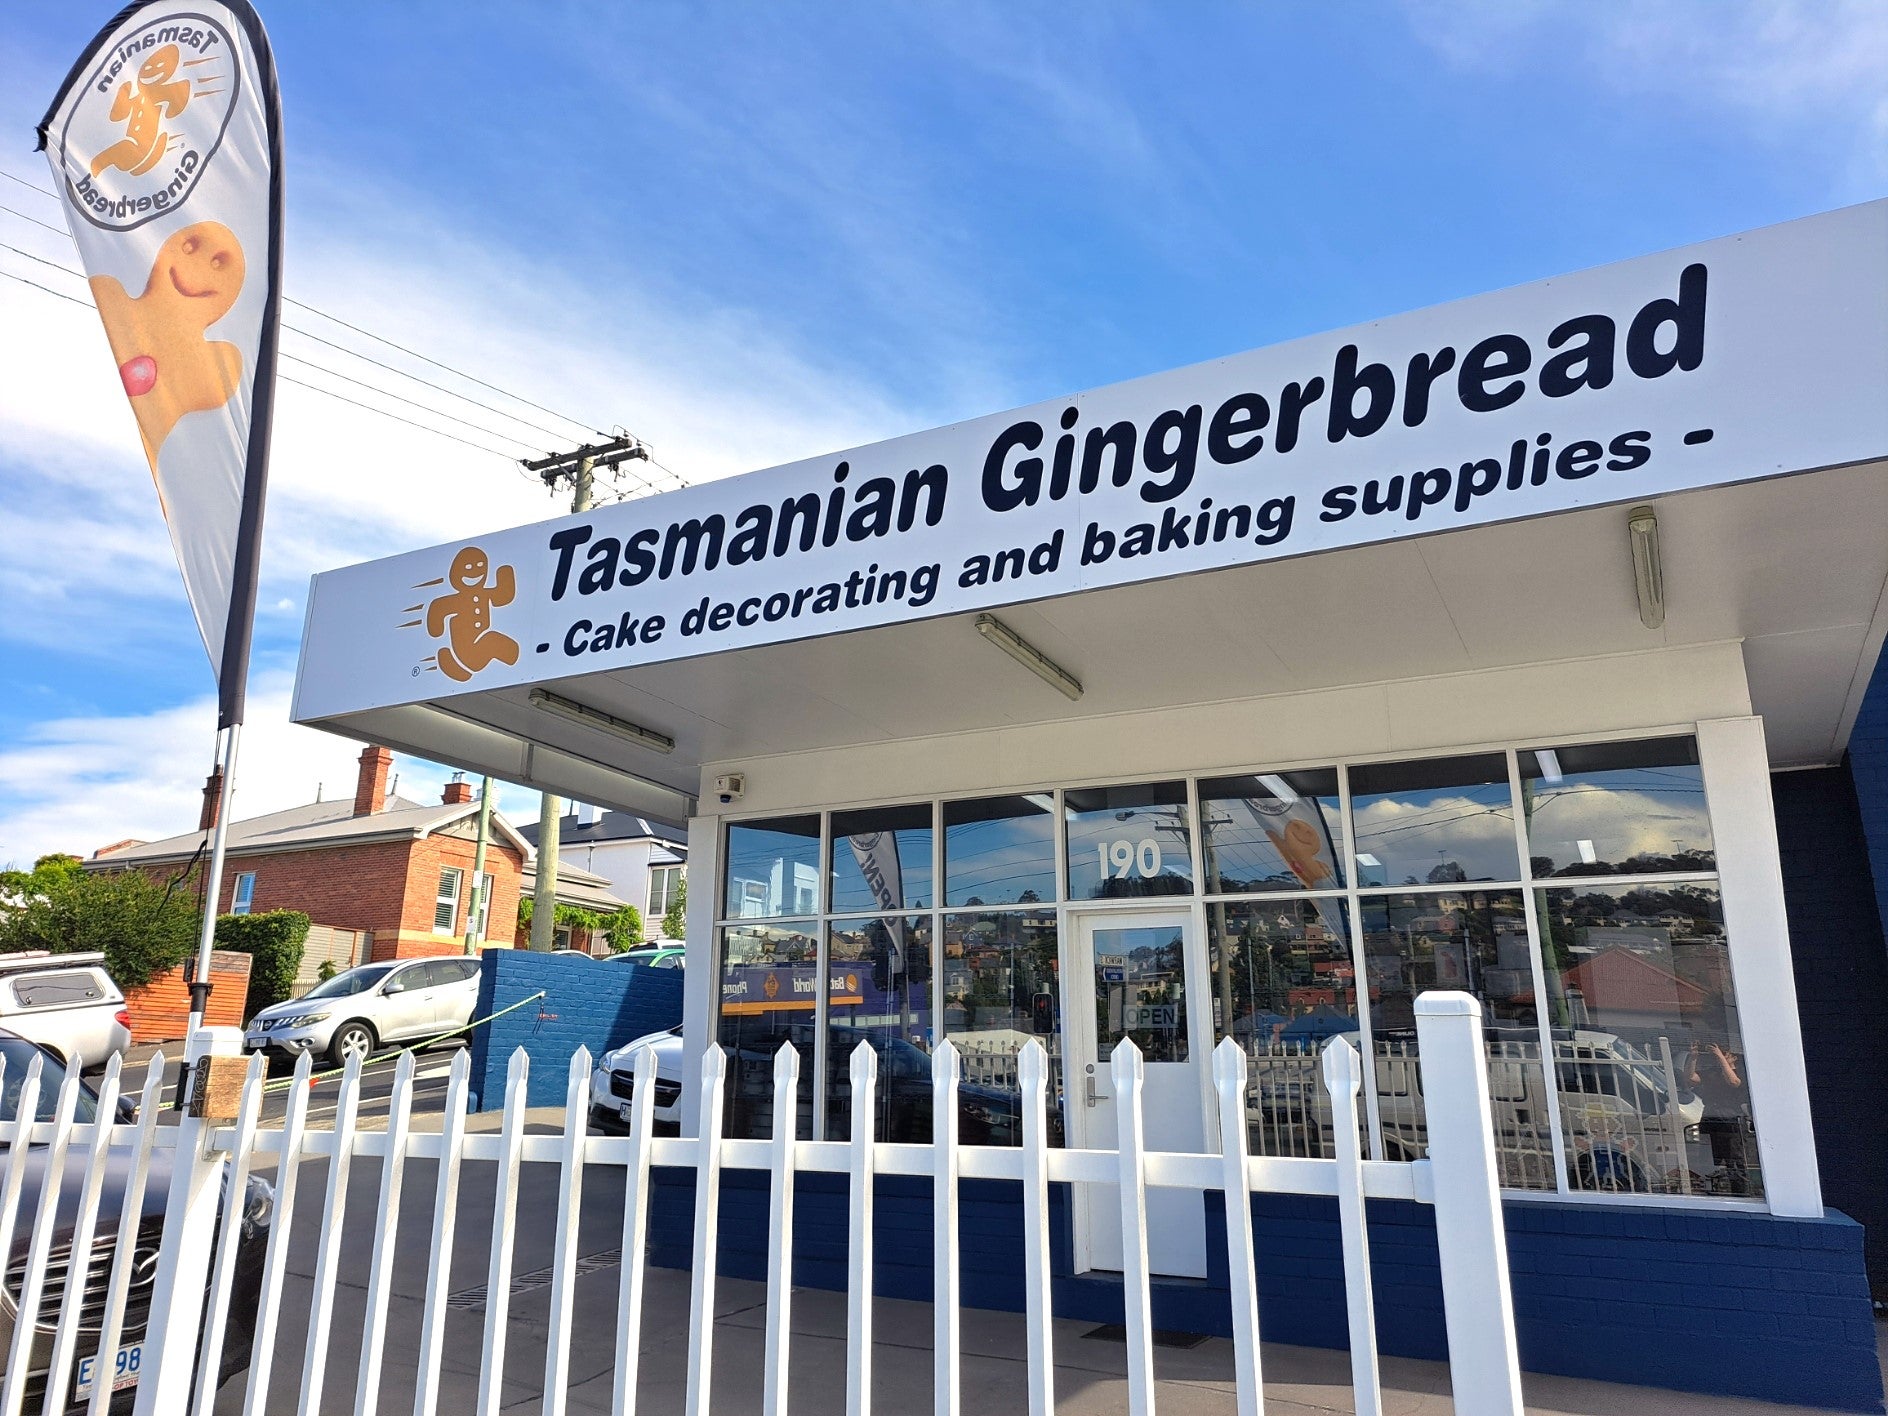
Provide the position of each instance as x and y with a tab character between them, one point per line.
350	1040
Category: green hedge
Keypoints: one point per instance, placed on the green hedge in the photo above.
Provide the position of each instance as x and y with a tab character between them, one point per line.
274	941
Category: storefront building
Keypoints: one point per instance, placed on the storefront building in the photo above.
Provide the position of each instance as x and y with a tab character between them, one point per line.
1459	650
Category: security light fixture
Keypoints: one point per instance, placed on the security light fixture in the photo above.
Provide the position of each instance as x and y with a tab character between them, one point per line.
603	722
1029	656
1648	574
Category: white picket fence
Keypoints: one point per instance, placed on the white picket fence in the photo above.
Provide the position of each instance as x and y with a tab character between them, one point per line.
211	1160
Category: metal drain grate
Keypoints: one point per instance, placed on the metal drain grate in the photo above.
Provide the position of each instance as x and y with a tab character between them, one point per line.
1114	1332
472	1300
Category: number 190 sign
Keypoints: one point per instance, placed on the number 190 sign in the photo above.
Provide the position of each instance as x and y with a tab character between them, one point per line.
1122	859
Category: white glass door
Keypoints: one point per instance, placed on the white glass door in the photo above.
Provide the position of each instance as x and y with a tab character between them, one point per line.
1132	974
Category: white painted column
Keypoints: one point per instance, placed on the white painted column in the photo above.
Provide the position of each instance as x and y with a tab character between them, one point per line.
1743	823
703	976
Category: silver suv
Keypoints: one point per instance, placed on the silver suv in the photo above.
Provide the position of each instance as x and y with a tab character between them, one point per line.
66	1002
355	1012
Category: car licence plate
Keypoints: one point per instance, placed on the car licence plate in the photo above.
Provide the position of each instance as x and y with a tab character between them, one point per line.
625	1108
126	1366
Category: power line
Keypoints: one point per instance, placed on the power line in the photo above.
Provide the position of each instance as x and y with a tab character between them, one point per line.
391	344
505	457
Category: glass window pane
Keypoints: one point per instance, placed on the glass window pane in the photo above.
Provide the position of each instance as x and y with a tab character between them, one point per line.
1476	941
1282	973
1272	831
772	868
997	985
1140	991
1129	841
1437	821
769	991
1654	1091
1617	808
881	859
881	996
999	850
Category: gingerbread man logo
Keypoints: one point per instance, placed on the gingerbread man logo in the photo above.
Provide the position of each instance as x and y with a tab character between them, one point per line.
1302	849
463	615
141	107
168	364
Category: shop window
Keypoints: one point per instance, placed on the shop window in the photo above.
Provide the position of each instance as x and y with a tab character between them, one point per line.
1000	850
881	859
1616	808
772	868
997	980
1442	820
1654	1085
879	996
769	996
1284	984
1476	941
1275	831
1126	842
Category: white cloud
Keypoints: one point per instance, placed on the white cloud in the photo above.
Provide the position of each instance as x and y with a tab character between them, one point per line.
1779	66
75	784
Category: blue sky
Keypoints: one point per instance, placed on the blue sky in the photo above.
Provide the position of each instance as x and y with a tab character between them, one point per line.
751	234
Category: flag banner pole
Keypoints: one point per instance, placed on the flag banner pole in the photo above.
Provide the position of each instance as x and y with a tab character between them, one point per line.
227	742
165	142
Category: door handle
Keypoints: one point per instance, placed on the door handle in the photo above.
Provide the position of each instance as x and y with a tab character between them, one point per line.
1089	1094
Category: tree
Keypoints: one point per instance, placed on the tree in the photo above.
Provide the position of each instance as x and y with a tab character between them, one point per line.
143	928
674	925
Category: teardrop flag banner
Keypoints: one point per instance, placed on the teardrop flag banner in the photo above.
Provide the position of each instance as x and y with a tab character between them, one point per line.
166	144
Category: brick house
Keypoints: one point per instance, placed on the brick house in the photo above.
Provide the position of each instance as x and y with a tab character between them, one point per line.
379	877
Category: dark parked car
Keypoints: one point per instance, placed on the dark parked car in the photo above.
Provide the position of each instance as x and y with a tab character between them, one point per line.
258	1211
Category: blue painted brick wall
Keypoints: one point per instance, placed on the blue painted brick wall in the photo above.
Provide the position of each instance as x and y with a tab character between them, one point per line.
1841	974
1708	1301
587	1003
1868	762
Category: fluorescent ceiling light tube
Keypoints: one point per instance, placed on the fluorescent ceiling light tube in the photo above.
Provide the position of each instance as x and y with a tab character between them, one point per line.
1648	571
1047	803
1365	858
1278	786
1029	656
601	721
1588	856
1550	764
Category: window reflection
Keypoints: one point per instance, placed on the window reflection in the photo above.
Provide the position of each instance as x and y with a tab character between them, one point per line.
881	997
772	868
997	985
1275	831
1283	975
1476	941
999	850
1654	1086
769	994
1140	991
881	859
1616	808
1438	821
1125	842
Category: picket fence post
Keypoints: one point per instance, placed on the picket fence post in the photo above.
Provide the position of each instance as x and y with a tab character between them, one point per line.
1478	1311
1343	1080
183	1263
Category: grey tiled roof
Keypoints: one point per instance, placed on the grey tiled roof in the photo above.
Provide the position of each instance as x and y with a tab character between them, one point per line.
318	823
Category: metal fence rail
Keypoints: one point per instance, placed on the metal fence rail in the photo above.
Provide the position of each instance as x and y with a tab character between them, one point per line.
209	1162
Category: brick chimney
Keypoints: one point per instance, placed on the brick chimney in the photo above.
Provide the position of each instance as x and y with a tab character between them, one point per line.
212	801
458	791
370	791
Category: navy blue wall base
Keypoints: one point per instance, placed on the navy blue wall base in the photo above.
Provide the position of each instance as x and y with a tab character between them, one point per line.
1708	1301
